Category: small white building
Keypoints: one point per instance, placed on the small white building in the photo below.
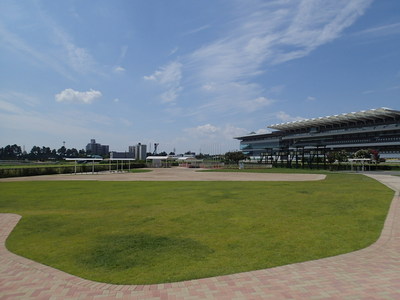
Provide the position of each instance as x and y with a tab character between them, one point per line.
189	162
160	161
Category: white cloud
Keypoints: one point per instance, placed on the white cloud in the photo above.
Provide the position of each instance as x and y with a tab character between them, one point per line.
291	30
209	87
79	59
311	98
284	117
12	96
230	131
316	23
264	34
173	51
255	104
196	30
119	69
56	48
379	31
24	126
212	139
231	98
276	90
24	120
262	131
30	53
208	131
367	92
170	95
9	107
124	50
169	77
71	96
396	87
126	122
222	73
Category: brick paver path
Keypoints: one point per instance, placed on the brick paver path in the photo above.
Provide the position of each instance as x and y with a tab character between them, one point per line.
371	273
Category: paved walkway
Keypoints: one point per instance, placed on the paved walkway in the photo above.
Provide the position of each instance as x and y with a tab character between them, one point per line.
371	273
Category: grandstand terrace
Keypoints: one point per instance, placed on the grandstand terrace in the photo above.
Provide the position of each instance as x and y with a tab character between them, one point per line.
377	129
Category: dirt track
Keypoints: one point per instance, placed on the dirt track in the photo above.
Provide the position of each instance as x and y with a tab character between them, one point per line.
174	174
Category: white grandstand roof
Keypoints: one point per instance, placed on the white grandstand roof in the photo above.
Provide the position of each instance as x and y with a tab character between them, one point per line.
363	115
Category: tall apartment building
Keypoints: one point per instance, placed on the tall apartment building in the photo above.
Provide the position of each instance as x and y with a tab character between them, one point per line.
139	151
96	148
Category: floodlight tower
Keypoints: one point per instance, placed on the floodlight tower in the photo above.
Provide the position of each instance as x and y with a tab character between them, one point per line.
155	148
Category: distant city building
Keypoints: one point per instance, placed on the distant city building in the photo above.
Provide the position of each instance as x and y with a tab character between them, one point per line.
139	151
116	155
96	148
190	154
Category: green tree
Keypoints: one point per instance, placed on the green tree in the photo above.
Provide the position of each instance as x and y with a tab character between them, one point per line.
62	151
341	156
54	154
35	153
331	157
11	152
82	153
362	153
235	156
45	153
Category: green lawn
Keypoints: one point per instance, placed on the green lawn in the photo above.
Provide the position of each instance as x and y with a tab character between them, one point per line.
139	170
272	170
154	232
44	165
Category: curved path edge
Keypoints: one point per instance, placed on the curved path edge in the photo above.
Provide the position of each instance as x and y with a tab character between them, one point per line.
373	273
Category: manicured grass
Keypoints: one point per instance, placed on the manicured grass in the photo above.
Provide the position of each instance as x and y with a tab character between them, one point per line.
154	232
35	166
139	170
272	170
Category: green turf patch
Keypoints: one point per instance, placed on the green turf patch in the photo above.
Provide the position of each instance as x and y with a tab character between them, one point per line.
153	232
271	170
139	170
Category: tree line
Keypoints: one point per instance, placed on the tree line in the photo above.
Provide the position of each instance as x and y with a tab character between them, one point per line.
15	152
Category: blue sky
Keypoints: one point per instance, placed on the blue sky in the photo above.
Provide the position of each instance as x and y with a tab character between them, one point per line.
189	74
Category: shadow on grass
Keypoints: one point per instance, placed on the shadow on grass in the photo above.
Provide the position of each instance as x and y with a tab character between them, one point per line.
127	251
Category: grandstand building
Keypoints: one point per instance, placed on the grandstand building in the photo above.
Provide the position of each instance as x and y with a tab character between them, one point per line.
377	129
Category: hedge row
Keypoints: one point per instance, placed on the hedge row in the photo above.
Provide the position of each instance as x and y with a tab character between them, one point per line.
81	168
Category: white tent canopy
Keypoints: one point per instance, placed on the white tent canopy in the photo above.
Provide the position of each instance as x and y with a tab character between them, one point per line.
76	159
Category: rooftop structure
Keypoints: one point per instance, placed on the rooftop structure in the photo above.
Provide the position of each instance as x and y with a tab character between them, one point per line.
364	117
